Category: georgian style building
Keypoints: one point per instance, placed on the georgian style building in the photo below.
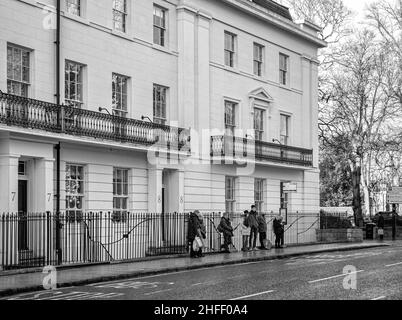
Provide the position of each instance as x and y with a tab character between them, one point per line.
157	106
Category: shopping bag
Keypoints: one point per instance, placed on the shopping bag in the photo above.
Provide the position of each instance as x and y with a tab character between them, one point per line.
197	244
380	232
267	244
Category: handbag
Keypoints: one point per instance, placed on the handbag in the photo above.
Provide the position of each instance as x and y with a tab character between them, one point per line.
380	232
197	244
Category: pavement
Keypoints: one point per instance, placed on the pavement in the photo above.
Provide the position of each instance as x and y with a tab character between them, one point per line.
12	283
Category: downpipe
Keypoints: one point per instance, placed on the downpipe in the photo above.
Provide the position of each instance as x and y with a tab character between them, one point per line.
58	146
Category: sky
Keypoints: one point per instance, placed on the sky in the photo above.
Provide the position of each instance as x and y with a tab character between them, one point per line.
358	6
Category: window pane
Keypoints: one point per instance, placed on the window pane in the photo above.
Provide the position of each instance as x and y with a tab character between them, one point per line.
73	7
73	82
160	104
25	58
25	74
119	5
17	72
284	125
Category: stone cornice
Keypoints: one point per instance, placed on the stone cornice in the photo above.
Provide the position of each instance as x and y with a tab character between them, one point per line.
276	20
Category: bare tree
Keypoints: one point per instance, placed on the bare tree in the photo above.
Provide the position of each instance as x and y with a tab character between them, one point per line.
334	18
331	15
359	108
386	17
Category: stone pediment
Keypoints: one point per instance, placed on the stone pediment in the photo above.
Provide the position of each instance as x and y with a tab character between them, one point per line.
261	94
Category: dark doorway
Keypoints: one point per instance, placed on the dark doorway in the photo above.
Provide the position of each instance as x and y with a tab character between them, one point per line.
22	215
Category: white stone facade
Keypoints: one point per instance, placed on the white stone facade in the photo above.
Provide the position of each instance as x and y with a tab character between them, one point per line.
191	65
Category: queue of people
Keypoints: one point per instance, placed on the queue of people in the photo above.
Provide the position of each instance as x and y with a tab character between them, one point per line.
252	225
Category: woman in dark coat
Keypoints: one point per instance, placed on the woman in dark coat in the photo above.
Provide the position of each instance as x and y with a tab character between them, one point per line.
203	231
225	226
194	230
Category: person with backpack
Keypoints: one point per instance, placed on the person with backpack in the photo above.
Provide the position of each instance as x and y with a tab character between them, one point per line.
245	231
253	223
225	227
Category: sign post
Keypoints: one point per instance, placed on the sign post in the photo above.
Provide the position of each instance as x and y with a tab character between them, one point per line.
290	187
394	196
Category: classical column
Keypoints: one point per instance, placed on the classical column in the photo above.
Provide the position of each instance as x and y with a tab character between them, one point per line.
9	183
186	65
182	199
43	192
155	190
306	103
3	66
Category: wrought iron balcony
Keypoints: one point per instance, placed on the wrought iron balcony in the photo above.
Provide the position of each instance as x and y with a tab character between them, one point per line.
35	114
236	147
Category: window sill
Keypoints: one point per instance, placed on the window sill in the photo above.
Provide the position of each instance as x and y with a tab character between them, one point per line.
79	19
285	86
121	34
163	49
231	69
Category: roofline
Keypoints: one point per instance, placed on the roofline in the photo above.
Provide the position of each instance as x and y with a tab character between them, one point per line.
276	20
309	23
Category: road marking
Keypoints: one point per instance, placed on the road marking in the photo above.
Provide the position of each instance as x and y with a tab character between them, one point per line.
58	295
207	283
197	284
180	272
334	277
393	265
252	295
379	298
317	264
156	292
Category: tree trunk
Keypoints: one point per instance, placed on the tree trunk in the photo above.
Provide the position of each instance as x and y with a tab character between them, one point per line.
357	200
366	192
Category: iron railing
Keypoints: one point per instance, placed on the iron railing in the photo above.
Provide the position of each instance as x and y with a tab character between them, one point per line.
335	220
236	147
36	114
29	240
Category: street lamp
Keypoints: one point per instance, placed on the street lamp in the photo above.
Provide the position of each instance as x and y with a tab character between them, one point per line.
276	140
145	117
104	109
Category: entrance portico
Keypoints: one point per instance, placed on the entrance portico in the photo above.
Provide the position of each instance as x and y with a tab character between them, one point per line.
26	167
165	189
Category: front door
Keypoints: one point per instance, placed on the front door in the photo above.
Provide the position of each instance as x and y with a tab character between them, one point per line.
22	215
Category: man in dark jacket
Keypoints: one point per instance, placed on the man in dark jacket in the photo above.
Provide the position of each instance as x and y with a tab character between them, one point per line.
279	231
262	229
381	226
225	226
253	223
